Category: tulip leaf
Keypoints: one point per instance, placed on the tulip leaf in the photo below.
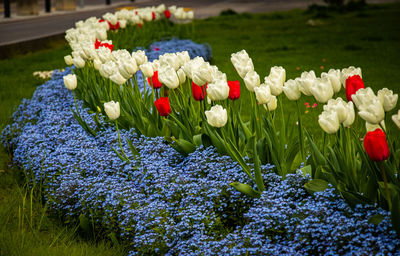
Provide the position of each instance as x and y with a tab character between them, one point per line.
376	219
257	170
235	154
316	185
319	158
245	189
306	170
134	151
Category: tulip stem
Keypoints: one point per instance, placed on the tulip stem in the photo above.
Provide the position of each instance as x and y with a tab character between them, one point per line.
76	105
300	131
283	128
386	186
120	144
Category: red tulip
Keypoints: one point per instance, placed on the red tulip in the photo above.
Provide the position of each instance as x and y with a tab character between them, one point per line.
153	81
198	91
353	84
113	27
376	146
234	90
167	14
97	44
163	107
140	25
153	14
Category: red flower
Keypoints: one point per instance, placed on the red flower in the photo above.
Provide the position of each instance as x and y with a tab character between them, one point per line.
163	107
376	146
167	14
97	44
154	80
198	91
234	90
353	84
140	25
113	27
153	14
101	20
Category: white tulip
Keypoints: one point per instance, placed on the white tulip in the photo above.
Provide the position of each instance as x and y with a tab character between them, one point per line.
168	76
276	79
362	95
242	63
78	62
263	93
252	80
291	89
101	34
396	119
322	90
350	71
155	64
104	54
181	76
306	81
387	99
339	106
118	78
112	18
140	57
334	77
350	114
122	23
202	75
68	60
190	15
272	104
372	111
108	68
70	81
147	69
217	116
329	121
170	59
219	90
183	57
97	64
112	109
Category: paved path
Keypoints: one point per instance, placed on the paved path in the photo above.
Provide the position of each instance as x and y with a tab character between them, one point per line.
19	29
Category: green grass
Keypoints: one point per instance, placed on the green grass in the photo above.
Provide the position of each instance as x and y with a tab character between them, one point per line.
367	38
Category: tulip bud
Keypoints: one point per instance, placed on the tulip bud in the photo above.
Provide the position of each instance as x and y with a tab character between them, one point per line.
147	69
198	92
122	23
396	119
162	105
118	78
376	146
388	99
252	80
292	90
350	114
112	109
70	81
276	79
68	60
306	81
329	121
97	64
78	62
217	116
219	90
181	76
322	90
234	90
272	104
263	93
372	111
168	76
242	63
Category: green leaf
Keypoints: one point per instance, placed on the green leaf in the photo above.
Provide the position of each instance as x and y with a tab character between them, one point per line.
245	189
119	155
376	219
306	170
186	146
316	185
257	169
319	158
134	151
395	212
84	224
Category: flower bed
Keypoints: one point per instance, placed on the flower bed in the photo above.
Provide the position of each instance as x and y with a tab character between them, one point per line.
164	203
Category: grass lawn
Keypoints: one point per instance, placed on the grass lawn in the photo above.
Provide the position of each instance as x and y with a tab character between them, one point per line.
367	38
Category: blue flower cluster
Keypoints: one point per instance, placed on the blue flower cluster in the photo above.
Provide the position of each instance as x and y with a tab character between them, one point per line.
165	204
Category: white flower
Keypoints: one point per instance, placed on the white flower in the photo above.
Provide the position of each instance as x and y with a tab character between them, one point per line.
362	95
101	34
181	76
183	57
252	80
219	90
155	64
118	78
112	18
322	90
276	79
350	114
242	63
168	76
202	74
140	57
170	59
122	23
334	77
217	116
70	81
396	119
306	81
108	68
263	93
147	69
190	15
372	111
78	62
104	54
68	60
350	71
388	99
291	89
112	109
127	67
97	64
272	104
329	121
